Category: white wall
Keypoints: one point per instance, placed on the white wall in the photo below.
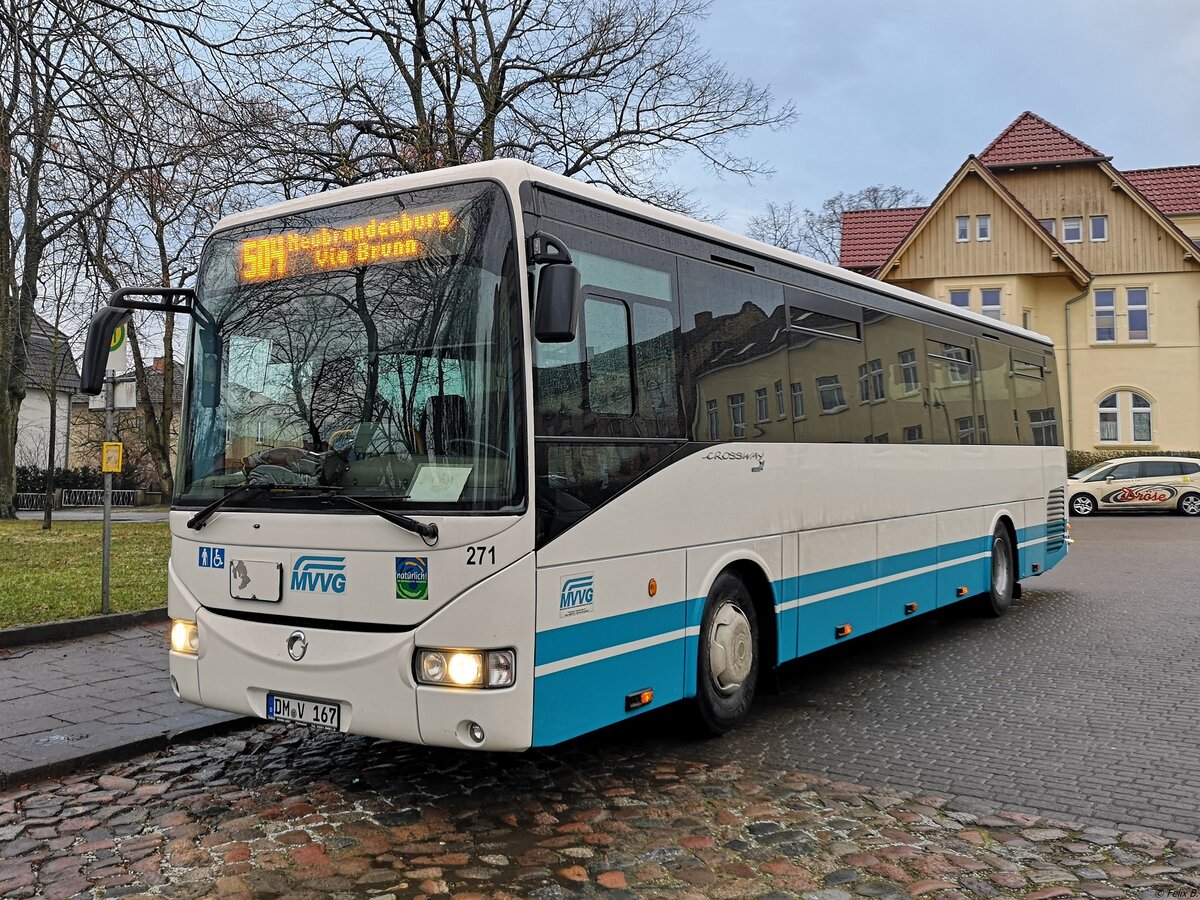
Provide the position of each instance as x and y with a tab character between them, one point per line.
33	428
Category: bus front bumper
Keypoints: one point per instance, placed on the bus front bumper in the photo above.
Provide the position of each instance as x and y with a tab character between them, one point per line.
368	675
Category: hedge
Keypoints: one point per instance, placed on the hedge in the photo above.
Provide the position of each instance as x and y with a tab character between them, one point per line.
1077	460
32	479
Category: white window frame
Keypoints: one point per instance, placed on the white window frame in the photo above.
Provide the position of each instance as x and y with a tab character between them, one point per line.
1123	414
1078	220
911	431
833	384
737	403
780	408
798	401
962	229
910	375
1130	307
1148	410
983	227
1110	311
999	307
762	405
1092	220
953	291
714	420
1112	411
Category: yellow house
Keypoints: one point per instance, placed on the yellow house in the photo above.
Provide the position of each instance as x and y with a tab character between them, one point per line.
1041	230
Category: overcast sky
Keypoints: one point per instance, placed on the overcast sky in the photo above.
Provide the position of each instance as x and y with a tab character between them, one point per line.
901	91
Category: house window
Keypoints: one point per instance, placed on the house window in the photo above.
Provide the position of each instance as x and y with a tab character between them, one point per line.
1109	419
761	408
962	229
1137	313
961	299
797	400
1027	318
1098	228
983	437
1072	230
1106	315
876	368
864	386
779	407
983	228
908	371
989	302
830	389
1141	415
260	432
737	414
966	430
914	434
1044	424
714	421
1048	224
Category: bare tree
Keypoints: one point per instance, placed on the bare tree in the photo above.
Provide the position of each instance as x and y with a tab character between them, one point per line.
818	233
610	91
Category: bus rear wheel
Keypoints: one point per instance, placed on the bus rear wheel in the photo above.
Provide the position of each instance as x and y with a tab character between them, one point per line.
728	658
1001	585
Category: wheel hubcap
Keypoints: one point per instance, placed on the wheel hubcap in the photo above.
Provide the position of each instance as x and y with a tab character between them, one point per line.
1083	505
1000	570
1191	505
730	648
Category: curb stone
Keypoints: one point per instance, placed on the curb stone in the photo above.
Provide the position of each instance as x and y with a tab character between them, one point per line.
74	628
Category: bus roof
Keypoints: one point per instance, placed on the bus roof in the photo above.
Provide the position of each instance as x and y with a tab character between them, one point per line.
512	173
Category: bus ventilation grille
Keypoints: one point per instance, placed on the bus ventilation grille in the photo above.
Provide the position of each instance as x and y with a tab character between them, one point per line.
1056	520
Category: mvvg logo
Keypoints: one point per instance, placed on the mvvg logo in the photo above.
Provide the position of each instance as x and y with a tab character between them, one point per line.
577	595
319	574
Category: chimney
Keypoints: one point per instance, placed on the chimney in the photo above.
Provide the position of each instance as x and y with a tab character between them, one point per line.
159	363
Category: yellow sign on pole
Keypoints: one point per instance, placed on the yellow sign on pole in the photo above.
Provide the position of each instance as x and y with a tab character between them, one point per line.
114	455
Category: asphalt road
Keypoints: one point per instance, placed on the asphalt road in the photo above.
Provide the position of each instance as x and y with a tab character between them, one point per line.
1083	701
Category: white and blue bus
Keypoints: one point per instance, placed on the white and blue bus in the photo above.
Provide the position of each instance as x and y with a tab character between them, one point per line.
488	458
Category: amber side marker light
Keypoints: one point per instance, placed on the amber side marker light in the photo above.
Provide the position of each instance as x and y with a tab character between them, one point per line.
842	631
962	592
910	608
638	699
652	587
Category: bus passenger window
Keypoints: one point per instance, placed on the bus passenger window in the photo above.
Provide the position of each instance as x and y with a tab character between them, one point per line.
609	380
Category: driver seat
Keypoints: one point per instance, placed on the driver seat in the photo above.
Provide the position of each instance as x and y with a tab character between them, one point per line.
443	421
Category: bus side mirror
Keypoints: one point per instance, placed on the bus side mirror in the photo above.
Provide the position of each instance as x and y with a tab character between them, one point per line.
96	350
556	314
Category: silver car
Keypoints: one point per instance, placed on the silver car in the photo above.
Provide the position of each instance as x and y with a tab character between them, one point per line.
1145	482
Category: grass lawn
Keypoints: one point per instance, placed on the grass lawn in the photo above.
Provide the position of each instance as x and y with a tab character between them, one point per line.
51	575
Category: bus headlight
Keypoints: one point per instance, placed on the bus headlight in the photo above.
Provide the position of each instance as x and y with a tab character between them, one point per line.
185	637
466	668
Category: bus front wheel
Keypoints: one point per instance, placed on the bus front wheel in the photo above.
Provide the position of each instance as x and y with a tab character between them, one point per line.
728	655
999	596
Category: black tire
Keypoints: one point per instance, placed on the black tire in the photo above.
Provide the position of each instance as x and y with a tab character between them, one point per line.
1003	575
1083	505
1189	504
723	698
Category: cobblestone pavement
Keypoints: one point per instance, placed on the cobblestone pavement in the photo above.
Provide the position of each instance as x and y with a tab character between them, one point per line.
297	814
88	696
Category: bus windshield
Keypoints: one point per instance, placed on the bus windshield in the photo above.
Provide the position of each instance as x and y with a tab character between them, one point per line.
371	349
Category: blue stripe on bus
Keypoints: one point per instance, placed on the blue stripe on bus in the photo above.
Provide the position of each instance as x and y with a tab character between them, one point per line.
600	634
590	695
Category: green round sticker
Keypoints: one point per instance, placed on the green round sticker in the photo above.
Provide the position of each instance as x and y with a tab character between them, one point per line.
118	339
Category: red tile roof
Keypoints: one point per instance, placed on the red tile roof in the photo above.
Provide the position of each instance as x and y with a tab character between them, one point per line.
1174	189
1030	139
870	235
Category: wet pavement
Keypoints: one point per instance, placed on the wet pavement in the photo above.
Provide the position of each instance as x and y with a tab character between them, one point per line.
302	814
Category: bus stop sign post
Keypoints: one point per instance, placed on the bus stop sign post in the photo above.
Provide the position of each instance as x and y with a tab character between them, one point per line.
117	356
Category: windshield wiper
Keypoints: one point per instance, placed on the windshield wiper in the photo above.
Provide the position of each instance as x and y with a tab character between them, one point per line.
197	521
428	531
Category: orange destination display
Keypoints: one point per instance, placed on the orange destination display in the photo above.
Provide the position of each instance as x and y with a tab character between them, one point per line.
324	249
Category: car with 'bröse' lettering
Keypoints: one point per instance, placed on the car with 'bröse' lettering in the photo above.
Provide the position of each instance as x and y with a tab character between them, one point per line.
1146	482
